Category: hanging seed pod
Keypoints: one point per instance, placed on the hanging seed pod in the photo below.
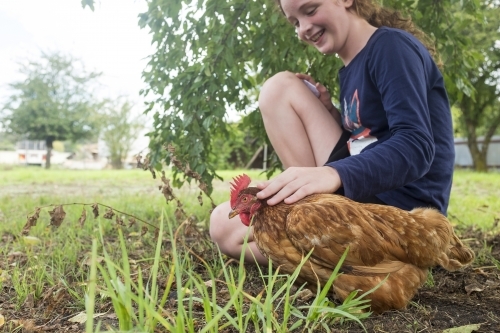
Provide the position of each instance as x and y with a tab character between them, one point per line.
57	216
31	221
95	210
109	214
83	217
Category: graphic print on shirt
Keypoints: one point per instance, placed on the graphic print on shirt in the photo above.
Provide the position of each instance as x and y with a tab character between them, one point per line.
360	135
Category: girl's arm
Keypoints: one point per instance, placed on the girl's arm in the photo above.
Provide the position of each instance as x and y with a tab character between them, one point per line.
400	70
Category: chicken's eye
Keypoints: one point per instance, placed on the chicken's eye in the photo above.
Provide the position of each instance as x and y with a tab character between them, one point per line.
244	199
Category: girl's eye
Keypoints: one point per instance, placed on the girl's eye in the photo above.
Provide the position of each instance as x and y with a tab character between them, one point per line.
311	12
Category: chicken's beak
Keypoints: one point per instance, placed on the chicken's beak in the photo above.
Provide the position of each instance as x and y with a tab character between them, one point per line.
233	213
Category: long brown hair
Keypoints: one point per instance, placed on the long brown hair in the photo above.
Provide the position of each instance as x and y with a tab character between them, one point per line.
378	16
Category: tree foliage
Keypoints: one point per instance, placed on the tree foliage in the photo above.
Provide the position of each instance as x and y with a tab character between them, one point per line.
480	112
120	130
53	102
213	55
234	148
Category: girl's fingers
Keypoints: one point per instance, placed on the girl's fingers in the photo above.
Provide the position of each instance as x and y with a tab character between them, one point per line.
301	193
274	188
321	88
284	186
288	191
305	77
282	194
262	185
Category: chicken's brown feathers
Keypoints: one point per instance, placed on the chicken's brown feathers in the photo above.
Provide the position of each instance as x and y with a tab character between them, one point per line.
376	235
383	242
239	183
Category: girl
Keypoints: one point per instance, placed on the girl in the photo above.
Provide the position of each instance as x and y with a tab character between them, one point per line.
392	141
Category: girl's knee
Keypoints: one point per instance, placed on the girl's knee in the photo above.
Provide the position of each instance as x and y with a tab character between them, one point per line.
279	78
217	223
273	89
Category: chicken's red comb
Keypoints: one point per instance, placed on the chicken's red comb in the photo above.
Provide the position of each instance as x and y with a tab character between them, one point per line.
240	182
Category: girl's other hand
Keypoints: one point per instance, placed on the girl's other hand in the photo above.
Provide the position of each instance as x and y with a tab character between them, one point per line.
324	95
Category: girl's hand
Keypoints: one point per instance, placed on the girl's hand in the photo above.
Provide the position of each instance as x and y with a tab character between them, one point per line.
296	183
324	95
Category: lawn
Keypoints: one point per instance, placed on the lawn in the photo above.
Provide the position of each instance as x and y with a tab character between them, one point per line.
475	199
133	280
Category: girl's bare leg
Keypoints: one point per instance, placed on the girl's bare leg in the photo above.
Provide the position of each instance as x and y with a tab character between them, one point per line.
229	234
302	132
300	128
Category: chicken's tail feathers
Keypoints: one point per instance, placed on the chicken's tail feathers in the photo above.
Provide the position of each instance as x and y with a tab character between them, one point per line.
457	257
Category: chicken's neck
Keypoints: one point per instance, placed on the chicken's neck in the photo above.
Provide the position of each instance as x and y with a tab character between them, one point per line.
271	217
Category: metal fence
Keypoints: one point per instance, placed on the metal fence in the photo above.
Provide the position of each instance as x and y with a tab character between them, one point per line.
463	157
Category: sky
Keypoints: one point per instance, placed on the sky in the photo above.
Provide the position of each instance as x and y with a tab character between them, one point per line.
106	40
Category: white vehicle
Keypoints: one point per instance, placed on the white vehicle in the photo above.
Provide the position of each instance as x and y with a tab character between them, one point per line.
31	152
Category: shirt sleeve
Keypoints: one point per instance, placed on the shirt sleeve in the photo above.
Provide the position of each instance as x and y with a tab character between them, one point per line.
397	66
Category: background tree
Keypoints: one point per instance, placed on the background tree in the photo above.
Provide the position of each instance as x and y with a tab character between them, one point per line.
53	102
480	112
213	54
7	140
120	131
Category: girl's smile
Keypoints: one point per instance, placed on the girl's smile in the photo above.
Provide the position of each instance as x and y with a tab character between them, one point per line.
319	23
331	26
315	38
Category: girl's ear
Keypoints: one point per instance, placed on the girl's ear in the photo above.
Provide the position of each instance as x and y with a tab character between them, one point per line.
348	3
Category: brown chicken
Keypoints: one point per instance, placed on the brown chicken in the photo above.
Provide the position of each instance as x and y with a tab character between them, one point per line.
383	241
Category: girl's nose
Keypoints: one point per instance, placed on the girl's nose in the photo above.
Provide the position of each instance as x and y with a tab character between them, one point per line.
304	29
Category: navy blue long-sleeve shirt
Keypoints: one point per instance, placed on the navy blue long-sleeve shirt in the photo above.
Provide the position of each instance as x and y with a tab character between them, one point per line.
394	102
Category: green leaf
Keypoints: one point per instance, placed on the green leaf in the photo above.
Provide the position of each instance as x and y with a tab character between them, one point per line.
207	71
207	122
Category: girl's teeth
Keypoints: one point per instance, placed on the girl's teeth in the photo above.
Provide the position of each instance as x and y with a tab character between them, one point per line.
317	36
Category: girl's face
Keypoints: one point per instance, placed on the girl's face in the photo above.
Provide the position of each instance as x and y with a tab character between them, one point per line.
323	24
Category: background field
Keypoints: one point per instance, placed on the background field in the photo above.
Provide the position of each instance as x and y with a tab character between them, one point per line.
475	199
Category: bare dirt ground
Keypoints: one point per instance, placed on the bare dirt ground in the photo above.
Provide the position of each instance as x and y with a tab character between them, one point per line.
471	296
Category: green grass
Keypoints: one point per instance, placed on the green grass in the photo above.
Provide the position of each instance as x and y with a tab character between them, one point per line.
124	282
36	175
475	199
